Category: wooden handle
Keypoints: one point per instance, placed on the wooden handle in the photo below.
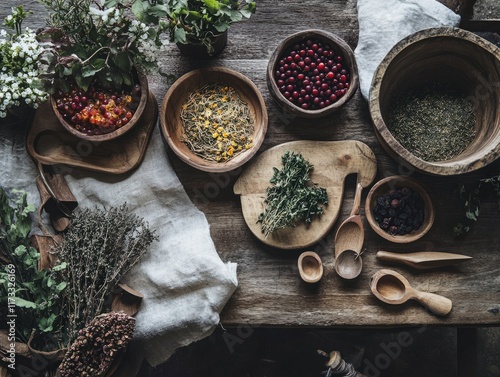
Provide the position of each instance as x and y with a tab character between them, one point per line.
357	200
437	304
389	256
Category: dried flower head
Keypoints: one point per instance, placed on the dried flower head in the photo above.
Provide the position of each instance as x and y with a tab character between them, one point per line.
97	345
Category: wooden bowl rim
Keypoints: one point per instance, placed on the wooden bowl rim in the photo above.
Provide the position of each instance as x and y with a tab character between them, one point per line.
449	167
336	40
119	131
318	273
400	180
209	166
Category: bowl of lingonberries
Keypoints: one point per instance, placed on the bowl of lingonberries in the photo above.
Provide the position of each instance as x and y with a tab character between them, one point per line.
312	74
100	114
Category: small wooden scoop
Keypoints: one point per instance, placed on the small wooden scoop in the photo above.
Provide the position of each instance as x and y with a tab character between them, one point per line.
424	259
349	241
393	288
310	267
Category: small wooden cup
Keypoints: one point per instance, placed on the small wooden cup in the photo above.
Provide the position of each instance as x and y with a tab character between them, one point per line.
385	185
455	58
310	267
339	45
171	125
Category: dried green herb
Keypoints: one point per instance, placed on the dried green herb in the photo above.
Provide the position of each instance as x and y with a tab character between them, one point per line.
434	122
293	197
30	297
471	202
99	247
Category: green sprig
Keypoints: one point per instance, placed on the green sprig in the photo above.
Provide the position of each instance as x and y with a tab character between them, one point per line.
292	197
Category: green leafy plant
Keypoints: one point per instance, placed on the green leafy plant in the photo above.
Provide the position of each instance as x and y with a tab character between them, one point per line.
292	197
86	40
32	295
471	201
200	21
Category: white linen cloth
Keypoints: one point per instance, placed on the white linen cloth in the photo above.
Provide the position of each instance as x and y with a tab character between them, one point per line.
184	281
383	23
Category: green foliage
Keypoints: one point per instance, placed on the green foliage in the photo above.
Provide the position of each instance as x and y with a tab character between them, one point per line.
195	21
87	40
36	293
472	202
292	197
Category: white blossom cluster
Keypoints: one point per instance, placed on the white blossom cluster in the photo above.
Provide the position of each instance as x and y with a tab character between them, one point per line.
141	36
19	71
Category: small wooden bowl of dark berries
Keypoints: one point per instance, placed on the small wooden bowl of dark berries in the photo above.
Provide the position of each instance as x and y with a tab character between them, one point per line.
399	209
312	73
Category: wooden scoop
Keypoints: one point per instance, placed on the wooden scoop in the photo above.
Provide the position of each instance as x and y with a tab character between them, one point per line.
351	234
393	288
310	267
349	241
424	259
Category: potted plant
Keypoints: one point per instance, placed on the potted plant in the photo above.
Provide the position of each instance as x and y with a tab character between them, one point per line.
199	27
19	51
94	64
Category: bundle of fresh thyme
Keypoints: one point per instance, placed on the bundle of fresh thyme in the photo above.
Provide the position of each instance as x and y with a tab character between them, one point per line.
99	247
292	197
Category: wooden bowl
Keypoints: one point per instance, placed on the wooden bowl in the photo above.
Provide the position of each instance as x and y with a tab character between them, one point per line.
339	45
450	56
397	182
171	125
310	267
143	82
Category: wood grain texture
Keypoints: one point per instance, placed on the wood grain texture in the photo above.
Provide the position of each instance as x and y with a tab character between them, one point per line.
332	162
270	291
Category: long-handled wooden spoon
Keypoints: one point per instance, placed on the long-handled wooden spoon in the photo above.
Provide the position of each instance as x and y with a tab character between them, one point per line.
393	288
423	259
349	241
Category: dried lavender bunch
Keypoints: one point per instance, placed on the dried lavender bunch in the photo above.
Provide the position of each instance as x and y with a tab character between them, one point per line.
99	248
97	345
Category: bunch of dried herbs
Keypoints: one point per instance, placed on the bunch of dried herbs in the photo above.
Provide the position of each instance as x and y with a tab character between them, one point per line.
97	345
30	297
100	247
470	196
293	197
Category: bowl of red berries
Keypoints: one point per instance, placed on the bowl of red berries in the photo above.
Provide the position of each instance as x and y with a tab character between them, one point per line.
100	114
312	73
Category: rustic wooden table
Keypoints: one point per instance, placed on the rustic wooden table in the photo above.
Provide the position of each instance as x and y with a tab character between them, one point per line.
270	292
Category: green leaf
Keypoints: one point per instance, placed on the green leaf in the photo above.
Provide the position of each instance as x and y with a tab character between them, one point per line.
180	35
122	61
212	5
139	8
222	27
61	286
248	9
90	70
21	251
22	303
60	267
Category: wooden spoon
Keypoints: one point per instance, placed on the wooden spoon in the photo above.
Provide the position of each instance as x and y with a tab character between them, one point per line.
310	267
348	264
393	288
424	259
351	234
349	241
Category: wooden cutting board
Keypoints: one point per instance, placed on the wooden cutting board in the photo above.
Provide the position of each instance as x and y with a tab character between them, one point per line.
332	161
49	143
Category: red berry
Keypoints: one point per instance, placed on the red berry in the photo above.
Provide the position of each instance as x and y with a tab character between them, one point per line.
321	66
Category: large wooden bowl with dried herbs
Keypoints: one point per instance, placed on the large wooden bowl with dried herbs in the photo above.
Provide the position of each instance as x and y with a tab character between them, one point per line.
214	119
435	101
